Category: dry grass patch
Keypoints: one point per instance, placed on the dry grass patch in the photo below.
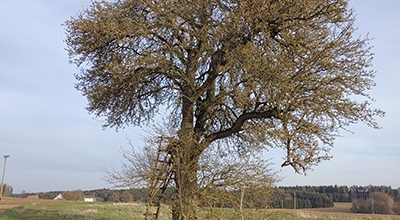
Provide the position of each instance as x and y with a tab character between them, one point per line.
9	202
340	211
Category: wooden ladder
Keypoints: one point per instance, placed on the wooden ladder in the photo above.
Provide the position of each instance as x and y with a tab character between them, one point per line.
160	178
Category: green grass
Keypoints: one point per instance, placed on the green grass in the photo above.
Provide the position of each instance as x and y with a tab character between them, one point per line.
64	210
50	210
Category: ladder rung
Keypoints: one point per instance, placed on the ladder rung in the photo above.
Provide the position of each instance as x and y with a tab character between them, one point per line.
150	213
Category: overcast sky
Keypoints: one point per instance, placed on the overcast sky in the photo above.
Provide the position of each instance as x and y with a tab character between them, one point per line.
56	145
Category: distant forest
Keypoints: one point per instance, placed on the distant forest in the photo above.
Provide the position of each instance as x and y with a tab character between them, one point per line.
283	197
324	196
345	193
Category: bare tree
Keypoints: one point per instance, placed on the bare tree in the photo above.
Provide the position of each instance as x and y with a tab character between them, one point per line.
7	190
251	74
126	197
114	197
136	168
76	195
377	203
218	171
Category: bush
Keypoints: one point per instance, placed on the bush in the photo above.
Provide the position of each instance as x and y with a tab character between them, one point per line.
396	209
378	203
77	195
397	198
114	197
126	197
7	190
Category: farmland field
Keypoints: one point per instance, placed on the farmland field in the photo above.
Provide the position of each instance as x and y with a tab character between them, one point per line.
20	209
340	211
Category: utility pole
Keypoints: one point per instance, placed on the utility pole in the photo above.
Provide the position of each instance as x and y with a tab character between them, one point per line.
241	201
373	207
2	180
294	200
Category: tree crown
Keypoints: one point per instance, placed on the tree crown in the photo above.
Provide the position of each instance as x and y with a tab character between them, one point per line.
277	73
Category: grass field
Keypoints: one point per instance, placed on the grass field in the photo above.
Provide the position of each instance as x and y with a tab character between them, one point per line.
23	209
66	210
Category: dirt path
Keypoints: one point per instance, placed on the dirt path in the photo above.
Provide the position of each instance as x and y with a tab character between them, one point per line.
342	207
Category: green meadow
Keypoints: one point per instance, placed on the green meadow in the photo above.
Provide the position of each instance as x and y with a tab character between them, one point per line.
65	210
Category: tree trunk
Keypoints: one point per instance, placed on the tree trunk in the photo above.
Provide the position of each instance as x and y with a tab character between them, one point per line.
185	204
186	154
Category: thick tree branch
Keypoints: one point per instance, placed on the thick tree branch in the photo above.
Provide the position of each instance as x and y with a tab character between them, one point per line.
237	125
216	59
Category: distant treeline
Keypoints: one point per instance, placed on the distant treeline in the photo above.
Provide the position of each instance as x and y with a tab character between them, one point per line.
288	199
345	193
102	195
283	197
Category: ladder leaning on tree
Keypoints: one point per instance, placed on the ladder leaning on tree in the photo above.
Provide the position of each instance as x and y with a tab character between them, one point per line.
161	175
